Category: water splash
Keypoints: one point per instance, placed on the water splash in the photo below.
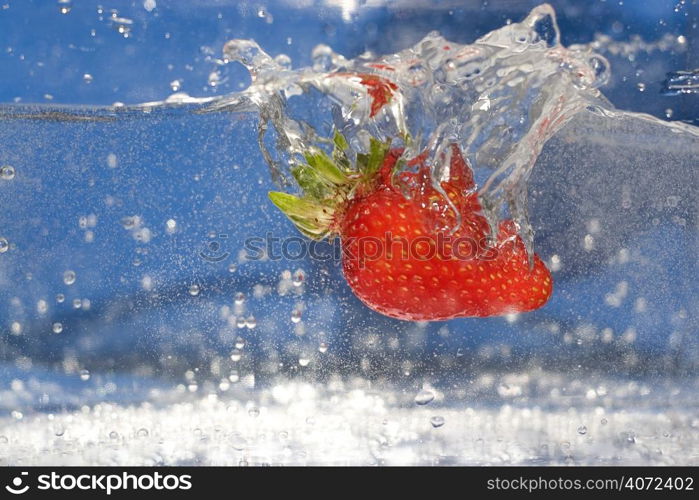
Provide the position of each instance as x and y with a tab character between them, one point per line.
499	98
681	82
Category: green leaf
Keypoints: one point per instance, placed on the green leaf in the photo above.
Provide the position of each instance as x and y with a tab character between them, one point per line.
377	153
310	182
311	218
326	167
340	141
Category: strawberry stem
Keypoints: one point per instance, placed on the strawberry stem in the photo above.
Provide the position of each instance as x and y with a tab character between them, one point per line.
327	182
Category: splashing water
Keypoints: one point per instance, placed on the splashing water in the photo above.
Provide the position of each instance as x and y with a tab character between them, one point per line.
499	98
611	192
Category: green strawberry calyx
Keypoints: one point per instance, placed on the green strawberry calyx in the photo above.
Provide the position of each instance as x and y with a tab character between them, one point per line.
327	181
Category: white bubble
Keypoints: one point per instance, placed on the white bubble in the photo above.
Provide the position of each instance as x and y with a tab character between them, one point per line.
69	277
437	421
424	397
112	160
7	172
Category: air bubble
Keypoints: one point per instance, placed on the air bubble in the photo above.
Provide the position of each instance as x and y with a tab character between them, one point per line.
236	355
84	375
424	397
304	360
4	245
239	298
194	290
296	316
323	347
65	6
437	421
582	430
87	78
251	322
7	172
299	277
239	343
57	327
69	277
254	412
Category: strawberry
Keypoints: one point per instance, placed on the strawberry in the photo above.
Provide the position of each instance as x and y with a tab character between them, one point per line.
413	249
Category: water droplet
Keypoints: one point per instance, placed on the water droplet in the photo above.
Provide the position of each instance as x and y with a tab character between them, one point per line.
122	25
641	86
7	172
16	328
582	430
304	360
238	442
57	327
65	6
59	429
239	298
42	306
214	78
194	290
192	386
240	322
424	397
239	343
113	435
603	421
69	277
668	113
4	245
323	347
299	277
236	355
175	85
232	268
142	432
87	78
60	298
437	421
296	316
84	375
251	322
254	412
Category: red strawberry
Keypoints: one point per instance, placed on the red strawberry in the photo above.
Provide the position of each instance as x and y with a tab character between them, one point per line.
409	253
379	89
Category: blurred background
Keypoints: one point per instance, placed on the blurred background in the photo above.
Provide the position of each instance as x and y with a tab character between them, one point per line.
122	261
